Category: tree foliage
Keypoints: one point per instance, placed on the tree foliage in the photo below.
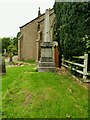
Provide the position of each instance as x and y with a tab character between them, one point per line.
5	43
72	27
10	44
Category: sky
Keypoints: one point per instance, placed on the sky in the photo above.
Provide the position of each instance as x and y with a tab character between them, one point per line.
16	13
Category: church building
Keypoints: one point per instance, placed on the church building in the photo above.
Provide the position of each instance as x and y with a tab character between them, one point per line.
32	36
30	33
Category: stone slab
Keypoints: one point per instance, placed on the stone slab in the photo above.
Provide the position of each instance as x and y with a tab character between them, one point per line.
46	69
46	64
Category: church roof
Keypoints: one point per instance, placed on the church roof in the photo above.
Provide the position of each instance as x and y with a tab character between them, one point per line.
34	19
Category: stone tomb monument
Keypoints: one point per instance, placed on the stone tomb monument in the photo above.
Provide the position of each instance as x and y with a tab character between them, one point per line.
46	60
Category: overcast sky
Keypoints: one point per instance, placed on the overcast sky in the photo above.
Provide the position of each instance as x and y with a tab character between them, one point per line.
15	13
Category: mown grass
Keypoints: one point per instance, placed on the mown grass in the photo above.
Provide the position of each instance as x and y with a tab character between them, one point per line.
30	94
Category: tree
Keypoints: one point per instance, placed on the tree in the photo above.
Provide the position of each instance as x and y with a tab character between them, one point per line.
13	47
71	26
10	44
5	43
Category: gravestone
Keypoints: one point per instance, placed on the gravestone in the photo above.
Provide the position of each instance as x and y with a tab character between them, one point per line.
46	60
2	65
15	58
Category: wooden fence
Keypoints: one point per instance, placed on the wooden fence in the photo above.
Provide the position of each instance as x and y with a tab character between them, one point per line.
71	65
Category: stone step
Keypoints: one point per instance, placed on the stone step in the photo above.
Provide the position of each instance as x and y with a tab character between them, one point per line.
46	69
46	59
46	64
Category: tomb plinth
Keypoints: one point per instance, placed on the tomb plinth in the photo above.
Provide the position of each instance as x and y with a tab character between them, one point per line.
46	62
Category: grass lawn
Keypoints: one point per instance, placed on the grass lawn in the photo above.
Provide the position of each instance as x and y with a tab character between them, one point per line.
30	94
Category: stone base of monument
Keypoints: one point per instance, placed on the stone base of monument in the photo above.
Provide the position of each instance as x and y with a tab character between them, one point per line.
46	67
46	63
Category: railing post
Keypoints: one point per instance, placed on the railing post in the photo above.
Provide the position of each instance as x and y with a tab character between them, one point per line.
62	59
85	67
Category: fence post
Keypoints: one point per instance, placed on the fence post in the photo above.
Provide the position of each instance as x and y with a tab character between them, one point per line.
85	66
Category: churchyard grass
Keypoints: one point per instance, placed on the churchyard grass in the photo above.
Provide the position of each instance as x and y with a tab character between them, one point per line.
27	93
